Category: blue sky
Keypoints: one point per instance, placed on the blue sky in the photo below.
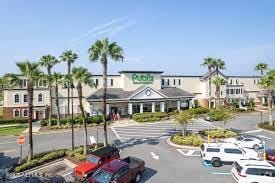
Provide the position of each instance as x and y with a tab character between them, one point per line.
173	36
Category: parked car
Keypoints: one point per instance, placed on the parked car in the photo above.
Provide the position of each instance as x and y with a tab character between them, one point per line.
93	161
270	154
209	117
221	153
253	171
247	141
126	170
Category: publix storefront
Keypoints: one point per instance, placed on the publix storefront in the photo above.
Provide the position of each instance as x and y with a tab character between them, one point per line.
137	92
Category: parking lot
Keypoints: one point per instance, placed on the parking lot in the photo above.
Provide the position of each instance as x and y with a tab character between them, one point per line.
165	163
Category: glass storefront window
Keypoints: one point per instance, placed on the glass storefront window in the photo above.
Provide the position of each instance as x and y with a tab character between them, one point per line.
147	107
135	108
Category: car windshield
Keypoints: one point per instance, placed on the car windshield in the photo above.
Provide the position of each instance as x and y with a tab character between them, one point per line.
102	176
93	159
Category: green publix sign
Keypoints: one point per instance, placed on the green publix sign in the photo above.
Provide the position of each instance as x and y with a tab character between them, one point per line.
142	79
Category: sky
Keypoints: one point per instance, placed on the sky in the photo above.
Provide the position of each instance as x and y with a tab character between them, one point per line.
172	36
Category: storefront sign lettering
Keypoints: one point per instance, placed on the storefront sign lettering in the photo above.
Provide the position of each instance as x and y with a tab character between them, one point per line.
142	79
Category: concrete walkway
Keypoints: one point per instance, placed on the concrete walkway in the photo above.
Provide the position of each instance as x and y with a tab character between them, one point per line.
35	127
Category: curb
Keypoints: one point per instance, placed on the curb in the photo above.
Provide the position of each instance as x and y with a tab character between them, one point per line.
69	163
181	146
265	130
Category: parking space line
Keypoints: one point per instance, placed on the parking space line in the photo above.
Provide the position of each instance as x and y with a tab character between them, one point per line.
67	174
116	134
7	150
189	153
221	173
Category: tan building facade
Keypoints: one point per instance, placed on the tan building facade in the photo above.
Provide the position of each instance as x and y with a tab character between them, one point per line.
131	92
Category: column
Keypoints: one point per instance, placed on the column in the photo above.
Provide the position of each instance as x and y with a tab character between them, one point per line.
141	108
130	108
107	109
162	107
44	113
263	99
153	107
34	114
190	102
178	104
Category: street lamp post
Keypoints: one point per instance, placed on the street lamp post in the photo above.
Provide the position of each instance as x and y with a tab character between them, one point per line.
72	110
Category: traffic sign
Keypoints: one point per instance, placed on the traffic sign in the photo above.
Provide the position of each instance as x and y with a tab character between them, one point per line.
21	139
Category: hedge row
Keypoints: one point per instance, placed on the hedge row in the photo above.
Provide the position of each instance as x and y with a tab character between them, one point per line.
78	120
218	133
189	140
13	121
265	125
149	116
46	157
199	111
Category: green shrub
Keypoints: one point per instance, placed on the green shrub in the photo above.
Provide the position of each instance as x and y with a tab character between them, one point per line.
199	111
149	116
196	103
218	133
189	140
265	125
13	121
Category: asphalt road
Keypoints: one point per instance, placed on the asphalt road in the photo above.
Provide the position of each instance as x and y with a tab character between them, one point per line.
164	163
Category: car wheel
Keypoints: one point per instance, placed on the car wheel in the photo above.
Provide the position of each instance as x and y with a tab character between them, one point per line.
138	177
256	147
216	162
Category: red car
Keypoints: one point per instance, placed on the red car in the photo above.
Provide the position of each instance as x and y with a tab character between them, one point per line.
94	160
270	154
119	171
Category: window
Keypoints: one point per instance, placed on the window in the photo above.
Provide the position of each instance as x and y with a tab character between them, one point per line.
212	150
179	82
260	172
40	97
174	81
231	91
221	93
237	82
227	91
25	98
16	98
162	82
254	81
231	81
16	113
25	112
168	82
96	82
233	151
22	83
112	82
241	91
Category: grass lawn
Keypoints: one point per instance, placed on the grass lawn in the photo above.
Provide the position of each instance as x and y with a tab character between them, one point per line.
12	130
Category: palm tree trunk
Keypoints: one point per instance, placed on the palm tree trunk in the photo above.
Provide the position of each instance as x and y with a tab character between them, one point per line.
270	107
79	89
51	102
30	119
104	99
57	103
68	103
218	95
209	100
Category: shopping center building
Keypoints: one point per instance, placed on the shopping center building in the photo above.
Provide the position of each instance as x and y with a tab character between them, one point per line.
132	92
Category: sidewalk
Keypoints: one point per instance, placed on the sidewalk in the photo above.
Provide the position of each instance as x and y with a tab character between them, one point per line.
35	127
123	122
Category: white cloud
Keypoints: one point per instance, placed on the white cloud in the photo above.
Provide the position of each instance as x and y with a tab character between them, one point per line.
110	28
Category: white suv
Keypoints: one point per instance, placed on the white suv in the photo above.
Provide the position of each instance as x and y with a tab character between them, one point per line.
253	171
221	153
247	141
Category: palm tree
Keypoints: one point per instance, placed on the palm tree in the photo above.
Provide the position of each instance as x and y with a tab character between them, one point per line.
48	61
209	63
69	57
82	77
219	65
218	82
102	50
268	82
32	73
57	79
261	67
